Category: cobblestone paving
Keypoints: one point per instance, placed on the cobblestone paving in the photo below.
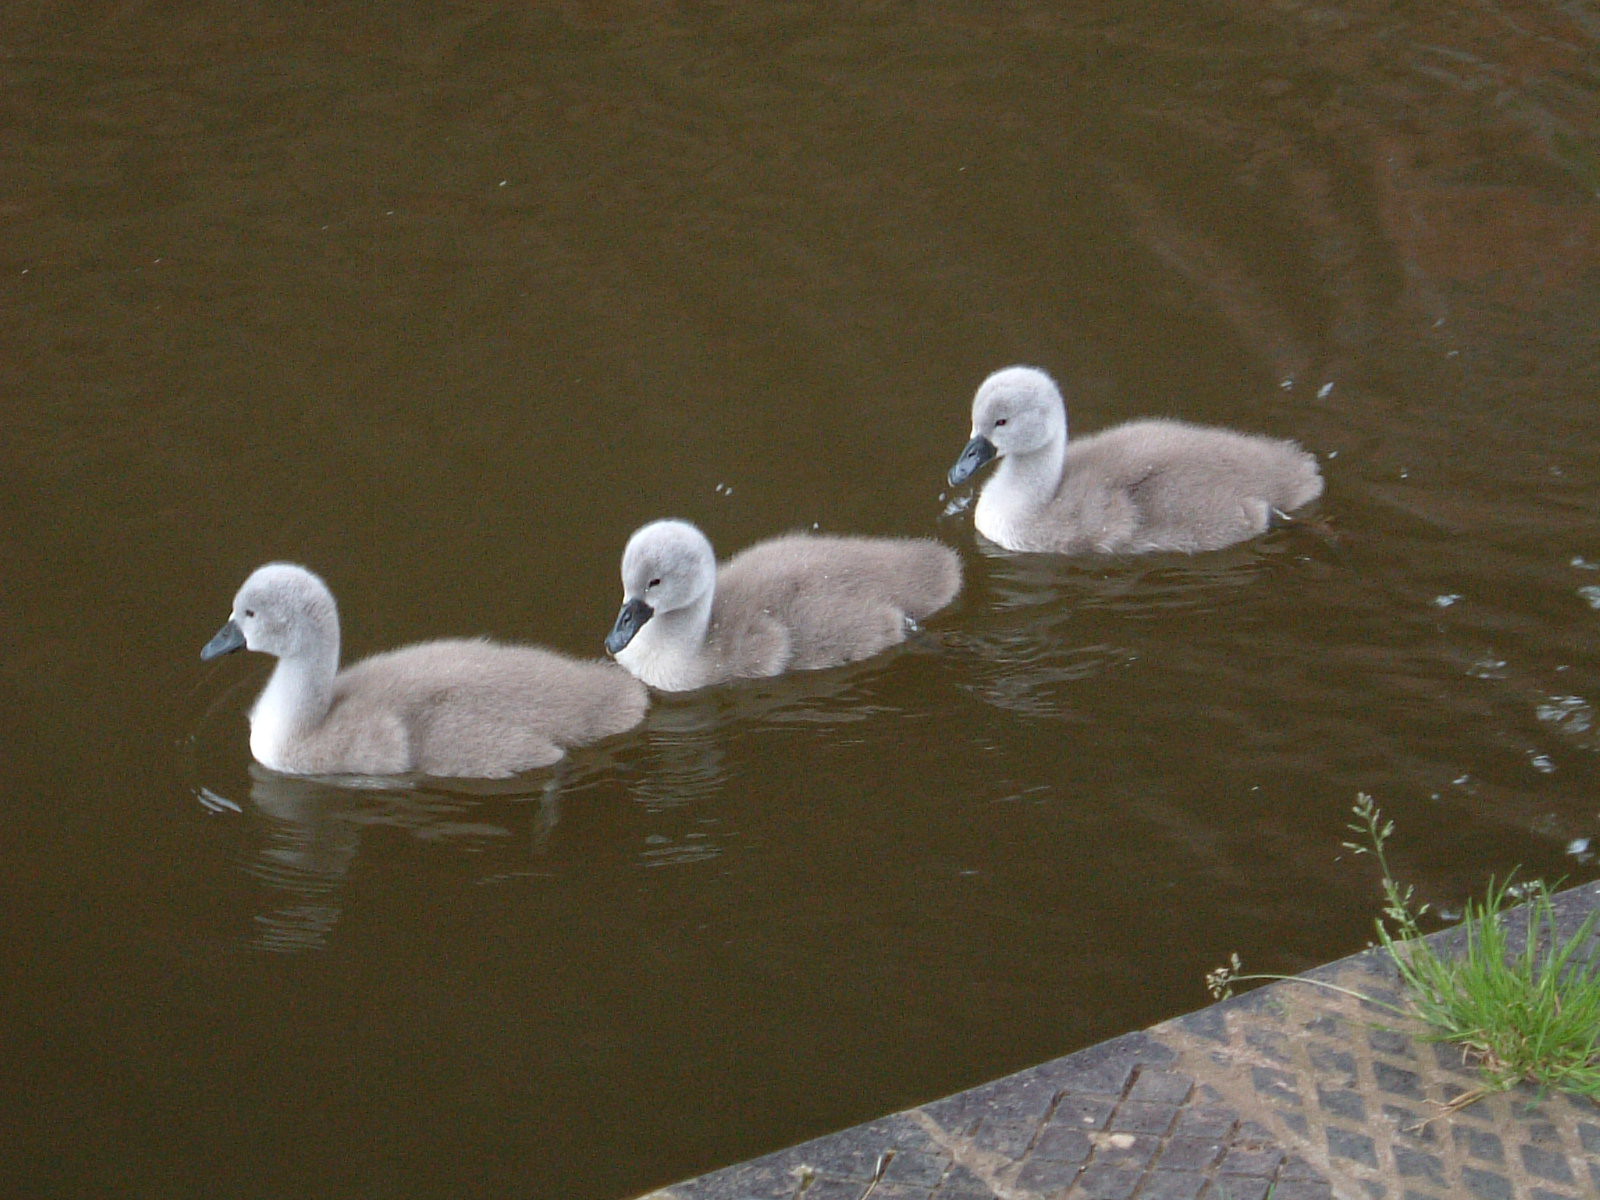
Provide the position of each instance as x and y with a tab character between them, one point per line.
1293	1091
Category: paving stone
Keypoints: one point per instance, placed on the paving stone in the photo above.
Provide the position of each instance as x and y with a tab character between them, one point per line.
1480	1143
1048	1174
912	1169
1209	1120
1161	1087
1397	1081
1342	1103
1296	1168
1082	1112
845	1159
1270	1043
1410	1125
1207	1023
1278	1084
1190	1154
964	1189
1239	1187
1489	1185
1357	1147
1414	1163
1381	1001
1144	1118
1391	1042
1549	1165
1331	1062
1101	1070
1127	1149
828	1188
1298	1092
1011	1138
1303	1189
1251	1158
962	1184
1066	1145
1105	1182
1329	1026
1172	1185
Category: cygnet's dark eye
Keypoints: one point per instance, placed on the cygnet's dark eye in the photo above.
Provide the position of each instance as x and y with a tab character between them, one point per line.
1000	422
249	612
653	583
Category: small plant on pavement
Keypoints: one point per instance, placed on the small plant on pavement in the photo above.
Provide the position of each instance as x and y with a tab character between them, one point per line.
1523	1007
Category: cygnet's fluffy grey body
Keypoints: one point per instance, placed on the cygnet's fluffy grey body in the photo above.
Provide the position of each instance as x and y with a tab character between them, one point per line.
457	707
791	603
1144	486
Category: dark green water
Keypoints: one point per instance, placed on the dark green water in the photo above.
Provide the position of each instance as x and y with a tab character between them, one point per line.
443	300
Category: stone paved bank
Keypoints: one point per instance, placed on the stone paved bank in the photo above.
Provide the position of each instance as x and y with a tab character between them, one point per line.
1291	1091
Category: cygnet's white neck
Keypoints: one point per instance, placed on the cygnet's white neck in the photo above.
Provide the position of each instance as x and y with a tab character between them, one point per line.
668	652
1022	484
295	700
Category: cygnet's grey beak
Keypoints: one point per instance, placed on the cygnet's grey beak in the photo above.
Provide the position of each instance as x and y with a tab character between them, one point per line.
629	621
229	638
977	455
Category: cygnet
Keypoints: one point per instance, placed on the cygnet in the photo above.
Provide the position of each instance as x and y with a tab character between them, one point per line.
791	603
458	707
1143	486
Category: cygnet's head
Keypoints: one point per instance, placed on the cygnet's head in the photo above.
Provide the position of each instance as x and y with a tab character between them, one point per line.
1017	410
282	609
667	565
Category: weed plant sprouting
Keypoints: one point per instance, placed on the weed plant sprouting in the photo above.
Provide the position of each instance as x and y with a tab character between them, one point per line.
1522	1011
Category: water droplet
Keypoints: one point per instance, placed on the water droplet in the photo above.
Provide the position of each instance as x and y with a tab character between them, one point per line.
1571	714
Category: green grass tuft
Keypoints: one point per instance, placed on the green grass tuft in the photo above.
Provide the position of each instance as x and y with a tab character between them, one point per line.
1523	1007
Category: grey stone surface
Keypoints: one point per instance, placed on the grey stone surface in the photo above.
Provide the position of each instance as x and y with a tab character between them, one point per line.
1295	1091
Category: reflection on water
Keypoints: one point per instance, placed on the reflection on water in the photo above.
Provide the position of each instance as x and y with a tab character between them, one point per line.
308	834
307	847
1045	618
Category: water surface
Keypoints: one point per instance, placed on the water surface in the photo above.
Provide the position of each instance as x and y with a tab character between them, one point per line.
444	300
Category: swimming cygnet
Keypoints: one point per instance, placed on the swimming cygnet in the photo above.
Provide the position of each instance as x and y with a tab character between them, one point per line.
792	603
1143	486
457	707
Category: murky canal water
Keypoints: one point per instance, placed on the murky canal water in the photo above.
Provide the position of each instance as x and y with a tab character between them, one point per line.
443	300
